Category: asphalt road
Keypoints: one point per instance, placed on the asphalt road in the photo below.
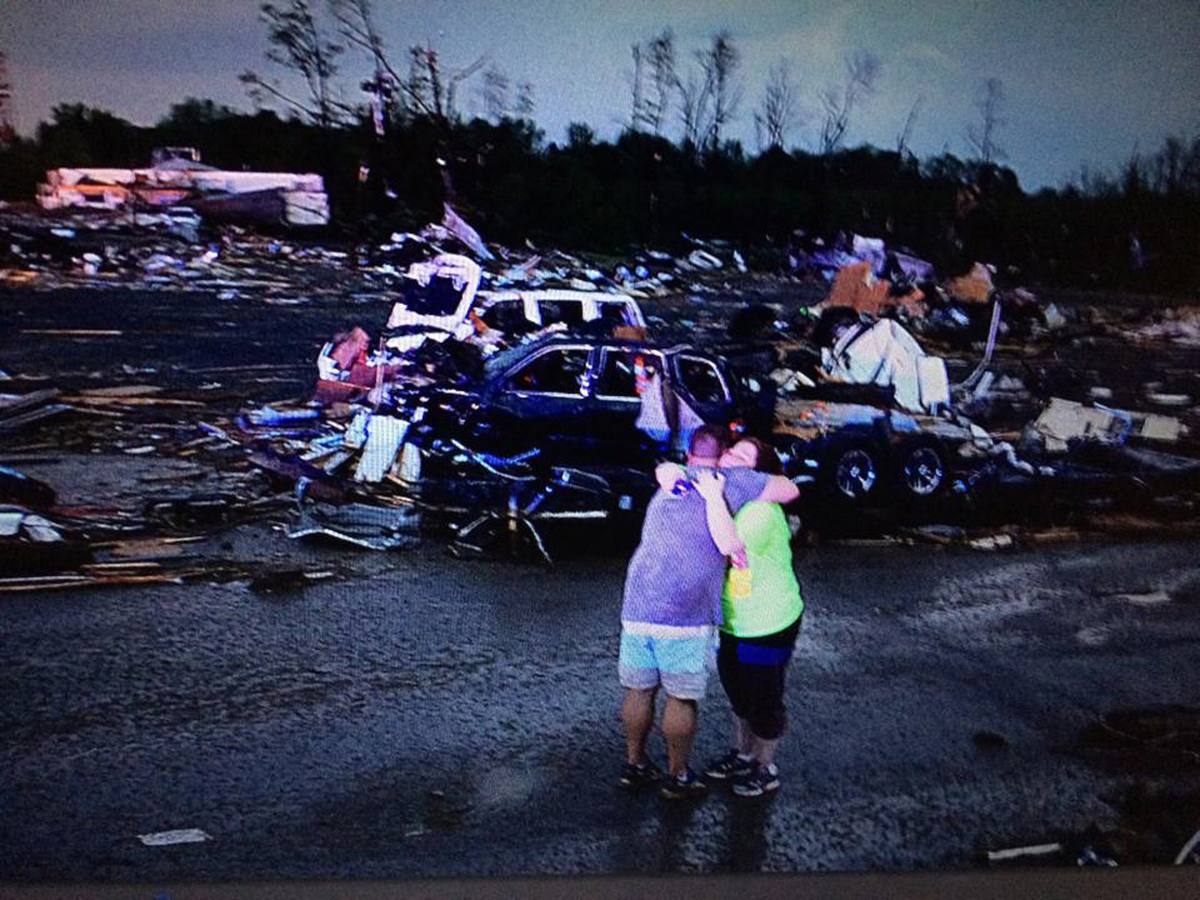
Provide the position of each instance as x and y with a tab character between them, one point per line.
419	715
426	716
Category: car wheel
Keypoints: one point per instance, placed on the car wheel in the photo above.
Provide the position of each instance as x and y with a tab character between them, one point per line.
854	473
922	470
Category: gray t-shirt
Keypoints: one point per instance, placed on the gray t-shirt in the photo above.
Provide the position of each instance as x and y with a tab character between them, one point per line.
676	573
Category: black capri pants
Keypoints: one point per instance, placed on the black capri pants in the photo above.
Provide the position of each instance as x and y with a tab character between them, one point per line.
752	672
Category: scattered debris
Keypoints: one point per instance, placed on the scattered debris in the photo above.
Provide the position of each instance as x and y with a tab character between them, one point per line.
370	527
19	410
287	580
1151	598
32	543
1186	853
883	353
1018	852
974	287
993	542
178	836
416	413
1063	420
1089	856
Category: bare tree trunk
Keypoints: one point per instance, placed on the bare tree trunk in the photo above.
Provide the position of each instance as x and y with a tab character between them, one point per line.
719	64
776	112
662	76
990	103
296	43
906	132
637	113
863	70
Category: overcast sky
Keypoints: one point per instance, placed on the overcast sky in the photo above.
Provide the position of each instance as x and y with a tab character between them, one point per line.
1087	81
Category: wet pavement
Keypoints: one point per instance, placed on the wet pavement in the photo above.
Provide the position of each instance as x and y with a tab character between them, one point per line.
414	714
427	716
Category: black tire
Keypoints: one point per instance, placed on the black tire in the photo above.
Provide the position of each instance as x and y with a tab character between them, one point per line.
920	472
852	473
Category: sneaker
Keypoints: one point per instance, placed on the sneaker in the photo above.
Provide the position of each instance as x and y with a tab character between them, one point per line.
636	777
731	765
681	787
760	780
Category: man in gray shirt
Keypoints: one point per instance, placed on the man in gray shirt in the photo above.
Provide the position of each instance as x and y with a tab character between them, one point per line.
672	605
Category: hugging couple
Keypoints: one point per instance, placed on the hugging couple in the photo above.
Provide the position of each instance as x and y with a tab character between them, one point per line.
714	563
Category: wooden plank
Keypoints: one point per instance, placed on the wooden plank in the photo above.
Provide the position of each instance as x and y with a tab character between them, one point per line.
15	403
73	332
84	400
12	586
127	390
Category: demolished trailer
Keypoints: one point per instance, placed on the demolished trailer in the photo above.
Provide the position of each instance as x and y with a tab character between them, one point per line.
178	177
435	298
441	317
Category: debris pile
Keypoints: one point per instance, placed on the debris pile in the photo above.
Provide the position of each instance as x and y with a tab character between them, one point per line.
882	387
177	177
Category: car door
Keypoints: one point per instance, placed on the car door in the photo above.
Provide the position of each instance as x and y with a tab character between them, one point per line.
700	382
542	402
618	381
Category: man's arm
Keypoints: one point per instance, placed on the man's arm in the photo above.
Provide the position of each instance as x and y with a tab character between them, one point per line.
667	473
779	489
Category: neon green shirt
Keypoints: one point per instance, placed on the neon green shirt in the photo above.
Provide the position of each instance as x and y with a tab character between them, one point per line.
764	597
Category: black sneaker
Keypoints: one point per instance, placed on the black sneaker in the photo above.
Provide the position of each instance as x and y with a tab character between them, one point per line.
731	765
681	787
760	780
636	777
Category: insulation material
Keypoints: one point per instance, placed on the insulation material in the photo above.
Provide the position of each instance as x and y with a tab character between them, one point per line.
385	434
974	287
457	226
885	354
1063	420
857	287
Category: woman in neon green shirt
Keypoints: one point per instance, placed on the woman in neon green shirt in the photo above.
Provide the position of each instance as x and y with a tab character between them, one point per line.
762	611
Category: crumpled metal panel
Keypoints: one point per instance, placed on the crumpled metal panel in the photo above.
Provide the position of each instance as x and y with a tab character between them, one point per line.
371	527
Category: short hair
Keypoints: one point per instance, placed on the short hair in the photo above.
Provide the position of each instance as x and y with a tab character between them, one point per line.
708	441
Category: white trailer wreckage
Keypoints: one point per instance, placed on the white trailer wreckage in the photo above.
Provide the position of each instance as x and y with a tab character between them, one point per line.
177	177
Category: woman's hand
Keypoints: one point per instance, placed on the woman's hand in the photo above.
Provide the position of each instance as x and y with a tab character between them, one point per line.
711	485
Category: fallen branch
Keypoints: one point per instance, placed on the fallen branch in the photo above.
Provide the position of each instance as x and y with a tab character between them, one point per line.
1187	849
1015	852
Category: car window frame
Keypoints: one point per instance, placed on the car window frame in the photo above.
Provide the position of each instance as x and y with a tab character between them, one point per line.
682	357
604	351
631	311
507	386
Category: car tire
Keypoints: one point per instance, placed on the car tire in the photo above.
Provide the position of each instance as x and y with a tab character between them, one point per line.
921	472
853	474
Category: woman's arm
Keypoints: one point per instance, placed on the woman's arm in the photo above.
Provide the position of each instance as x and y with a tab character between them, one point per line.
779	489
711	486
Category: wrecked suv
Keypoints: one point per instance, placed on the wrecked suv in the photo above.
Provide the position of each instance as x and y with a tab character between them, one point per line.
576	401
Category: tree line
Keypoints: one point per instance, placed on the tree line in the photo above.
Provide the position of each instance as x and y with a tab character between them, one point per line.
393	156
